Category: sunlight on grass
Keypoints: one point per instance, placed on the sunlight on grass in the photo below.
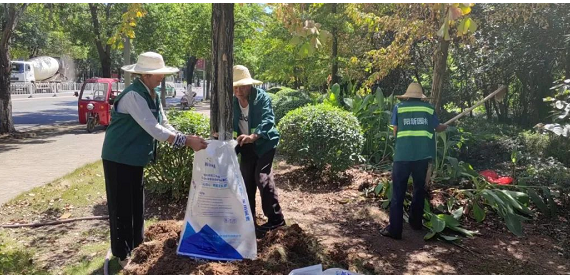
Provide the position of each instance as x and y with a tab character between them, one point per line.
14	259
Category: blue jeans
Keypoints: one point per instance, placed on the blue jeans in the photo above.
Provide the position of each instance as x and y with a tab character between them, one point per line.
400	173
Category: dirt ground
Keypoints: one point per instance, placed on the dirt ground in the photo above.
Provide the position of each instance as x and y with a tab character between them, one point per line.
332	223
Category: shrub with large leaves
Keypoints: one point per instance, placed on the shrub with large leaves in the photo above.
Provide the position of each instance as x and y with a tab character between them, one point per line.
172	172
321	136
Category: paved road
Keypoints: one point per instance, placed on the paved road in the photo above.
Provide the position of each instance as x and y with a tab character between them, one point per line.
61	145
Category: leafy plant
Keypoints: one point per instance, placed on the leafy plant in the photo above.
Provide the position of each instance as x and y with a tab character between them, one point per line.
171	174
321	136
447	167
374	112
436	223
561	112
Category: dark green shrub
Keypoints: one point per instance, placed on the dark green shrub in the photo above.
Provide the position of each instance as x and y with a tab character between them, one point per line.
321	136
287	100
544	172
274	89
172	172
285	104
547	145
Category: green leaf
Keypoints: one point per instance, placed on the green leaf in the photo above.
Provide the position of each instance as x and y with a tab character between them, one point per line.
378	188
429	235
472	26
449	238
295	40
457	213
380	97
478	212
514	224
437	223
508	198
551	203
468	233
462	28
449	220
537	200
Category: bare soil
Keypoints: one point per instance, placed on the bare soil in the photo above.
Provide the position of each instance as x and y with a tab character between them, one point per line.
333	223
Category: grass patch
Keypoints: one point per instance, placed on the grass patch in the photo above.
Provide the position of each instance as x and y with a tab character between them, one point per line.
82	188
15	259
77	248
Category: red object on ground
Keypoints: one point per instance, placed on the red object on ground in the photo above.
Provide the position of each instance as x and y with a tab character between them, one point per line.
493	177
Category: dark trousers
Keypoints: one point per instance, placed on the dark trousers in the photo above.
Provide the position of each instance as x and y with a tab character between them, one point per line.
125	201
400	173
256	172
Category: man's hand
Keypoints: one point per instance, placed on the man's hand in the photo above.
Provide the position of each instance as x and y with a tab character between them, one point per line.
246	139
441	127
196	142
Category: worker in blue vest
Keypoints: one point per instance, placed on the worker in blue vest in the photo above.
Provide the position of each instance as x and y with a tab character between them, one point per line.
137	123
415	124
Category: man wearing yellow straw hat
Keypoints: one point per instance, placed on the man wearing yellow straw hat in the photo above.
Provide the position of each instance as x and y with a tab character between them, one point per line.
415	124
137	122
257	137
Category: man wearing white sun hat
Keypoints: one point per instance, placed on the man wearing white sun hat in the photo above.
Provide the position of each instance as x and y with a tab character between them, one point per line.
137	123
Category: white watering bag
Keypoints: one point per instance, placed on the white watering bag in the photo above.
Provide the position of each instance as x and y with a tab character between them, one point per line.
218	224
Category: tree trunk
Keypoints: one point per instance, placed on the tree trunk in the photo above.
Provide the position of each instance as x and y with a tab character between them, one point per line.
334	32
221	118
190	65
127	60
439	69
12	13
102	48
163	93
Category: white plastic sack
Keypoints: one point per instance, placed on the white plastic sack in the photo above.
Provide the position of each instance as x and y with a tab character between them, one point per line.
318	270
218	224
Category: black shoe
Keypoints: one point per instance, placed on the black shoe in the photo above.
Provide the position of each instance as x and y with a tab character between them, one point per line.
386	232
271	225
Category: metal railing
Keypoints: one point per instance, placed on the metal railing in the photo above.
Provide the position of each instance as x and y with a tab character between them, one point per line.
30	88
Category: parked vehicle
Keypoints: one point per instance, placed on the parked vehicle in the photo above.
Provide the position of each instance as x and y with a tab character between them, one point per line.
95	102
39	73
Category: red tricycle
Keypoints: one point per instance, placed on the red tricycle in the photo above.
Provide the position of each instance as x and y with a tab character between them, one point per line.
96	100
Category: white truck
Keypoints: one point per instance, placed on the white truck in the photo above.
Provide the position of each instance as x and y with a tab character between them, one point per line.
43	73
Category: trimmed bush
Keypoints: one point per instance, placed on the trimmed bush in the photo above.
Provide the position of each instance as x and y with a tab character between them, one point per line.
287	100
274	89
321	136
284	105
171	174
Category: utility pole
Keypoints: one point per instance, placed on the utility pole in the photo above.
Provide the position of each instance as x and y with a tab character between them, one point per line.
221	119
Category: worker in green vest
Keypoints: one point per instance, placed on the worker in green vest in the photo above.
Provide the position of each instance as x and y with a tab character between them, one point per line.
137	123
257	137
415	124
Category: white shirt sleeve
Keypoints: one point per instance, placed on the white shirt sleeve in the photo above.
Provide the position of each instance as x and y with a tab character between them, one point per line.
136	106
165	122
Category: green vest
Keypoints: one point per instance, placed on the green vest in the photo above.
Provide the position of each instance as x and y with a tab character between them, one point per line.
415	138
261	121
126	141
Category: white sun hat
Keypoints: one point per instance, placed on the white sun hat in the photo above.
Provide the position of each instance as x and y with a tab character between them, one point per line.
242	77
149	63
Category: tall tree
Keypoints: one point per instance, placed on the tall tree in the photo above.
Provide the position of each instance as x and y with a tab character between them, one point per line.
10	14
221	119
